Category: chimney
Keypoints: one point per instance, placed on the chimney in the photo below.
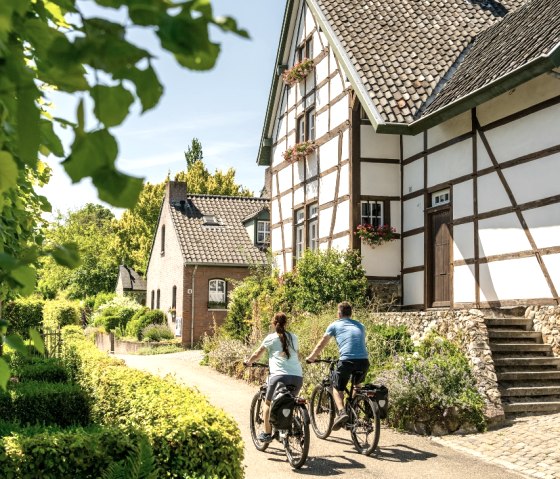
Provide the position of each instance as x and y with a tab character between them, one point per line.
182	203
176	191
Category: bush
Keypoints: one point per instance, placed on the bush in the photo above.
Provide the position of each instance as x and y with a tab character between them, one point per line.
143	318
157	332
34	402
45	369
24	313
102	298
58	313
51	453
163	349
190	438
115	313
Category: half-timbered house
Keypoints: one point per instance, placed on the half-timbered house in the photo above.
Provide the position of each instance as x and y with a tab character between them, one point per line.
440	119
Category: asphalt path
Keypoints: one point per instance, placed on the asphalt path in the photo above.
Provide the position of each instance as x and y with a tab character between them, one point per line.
399	455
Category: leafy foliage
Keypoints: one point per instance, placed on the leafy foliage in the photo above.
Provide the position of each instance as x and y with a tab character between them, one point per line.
24	313
157	332
115	313
139	464
40	369
60	312
143	318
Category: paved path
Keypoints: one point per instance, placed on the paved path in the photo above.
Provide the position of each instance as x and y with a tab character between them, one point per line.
400	456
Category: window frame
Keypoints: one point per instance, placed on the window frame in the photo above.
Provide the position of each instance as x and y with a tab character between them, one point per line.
299	233
313	226
265	233
152	299
382	217
214	303
158	299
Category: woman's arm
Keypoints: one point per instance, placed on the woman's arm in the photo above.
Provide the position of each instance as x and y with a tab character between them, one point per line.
256	355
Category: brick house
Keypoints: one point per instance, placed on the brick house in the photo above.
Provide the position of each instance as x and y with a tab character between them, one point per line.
201	244
130	283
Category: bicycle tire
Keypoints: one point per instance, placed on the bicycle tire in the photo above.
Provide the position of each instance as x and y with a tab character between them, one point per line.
322	411
296	443
256	422
365	424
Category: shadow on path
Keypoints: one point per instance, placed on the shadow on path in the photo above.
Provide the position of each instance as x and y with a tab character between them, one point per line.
402	453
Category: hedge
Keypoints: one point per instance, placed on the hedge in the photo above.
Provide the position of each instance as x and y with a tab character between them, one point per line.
46	370
143	318
51	453
190	437
24	313
58	313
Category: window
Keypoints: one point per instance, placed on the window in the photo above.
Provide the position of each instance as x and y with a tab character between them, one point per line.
313	227
152	301
158	297
441	197
300	132
263	232
216	294
163	240
372	213
310	125
300	217
174	303
305	50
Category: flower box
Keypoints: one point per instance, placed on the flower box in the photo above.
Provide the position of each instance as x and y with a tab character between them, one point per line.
376	235
299	151
298	72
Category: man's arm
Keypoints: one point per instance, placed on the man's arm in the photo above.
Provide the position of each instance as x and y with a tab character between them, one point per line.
318	348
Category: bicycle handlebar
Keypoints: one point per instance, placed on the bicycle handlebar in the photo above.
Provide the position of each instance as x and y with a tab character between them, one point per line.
256	365
326	360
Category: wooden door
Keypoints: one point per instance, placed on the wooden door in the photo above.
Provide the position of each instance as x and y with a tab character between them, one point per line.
439	277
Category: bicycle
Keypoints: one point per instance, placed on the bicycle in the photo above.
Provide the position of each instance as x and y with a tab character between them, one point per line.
361	405
295	439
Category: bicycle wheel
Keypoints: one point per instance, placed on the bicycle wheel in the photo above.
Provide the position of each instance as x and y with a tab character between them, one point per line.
364	424
296	442
257	422
322	411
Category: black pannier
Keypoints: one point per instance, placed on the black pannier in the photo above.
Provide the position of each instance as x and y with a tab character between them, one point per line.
380	394
282	407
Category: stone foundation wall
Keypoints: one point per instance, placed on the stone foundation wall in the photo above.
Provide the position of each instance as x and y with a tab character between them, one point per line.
546	319
384	293
107	342
467	328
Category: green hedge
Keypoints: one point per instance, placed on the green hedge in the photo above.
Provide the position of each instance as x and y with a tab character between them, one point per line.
51	453
58	313
46	370
143	318
190	437
24	313
34	402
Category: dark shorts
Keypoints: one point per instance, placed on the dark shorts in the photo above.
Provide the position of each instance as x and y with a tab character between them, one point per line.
344	370
286	379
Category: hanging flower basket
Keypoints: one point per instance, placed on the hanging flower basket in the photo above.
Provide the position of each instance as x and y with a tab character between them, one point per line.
299	151
376	235
298	72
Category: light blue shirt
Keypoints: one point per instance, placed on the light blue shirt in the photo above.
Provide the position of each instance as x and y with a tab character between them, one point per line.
278	362
350	336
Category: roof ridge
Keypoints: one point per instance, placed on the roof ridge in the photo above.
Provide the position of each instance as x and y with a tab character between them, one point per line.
195	195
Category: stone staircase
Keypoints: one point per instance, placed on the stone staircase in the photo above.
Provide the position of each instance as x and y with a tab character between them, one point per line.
528	373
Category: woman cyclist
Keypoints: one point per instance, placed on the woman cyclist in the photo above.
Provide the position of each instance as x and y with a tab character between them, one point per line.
284	366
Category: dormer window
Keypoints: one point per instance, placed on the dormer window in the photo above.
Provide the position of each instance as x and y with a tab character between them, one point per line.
210	220
263	232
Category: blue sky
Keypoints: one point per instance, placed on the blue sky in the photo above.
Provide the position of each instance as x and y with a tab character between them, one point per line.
224	108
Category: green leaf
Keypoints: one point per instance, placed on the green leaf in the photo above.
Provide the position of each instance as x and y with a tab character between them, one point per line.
148	87
4	374
50	139
8	171
117	188
45	204
111	104
26	277
15	342
37	340
67	255
28	122
228	24
7	262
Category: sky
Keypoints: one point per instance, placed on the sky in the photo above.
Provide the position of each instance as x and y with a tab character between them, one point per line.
224	108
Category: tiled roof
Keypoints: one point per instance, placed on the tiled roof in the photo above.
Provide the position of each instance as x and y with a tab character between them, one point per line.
401	49
131	280
227	244
531	31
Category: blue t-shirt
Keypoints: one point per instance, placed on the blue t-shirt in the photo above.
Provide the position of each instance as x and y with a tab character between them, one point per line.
350	336
278	362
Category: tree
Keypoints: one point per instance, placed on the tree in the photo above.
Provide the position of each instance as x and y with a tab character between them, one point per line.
193	153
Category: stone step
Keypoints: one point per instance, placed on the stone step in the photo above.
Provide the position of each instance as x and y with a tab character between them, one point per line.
514	334
528	376
521	347
539	406
511	312
530	391
527	361
509	322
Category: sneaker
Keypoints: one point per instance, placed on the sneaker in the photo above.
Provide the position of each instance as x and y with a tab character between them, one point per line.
264	437
340	420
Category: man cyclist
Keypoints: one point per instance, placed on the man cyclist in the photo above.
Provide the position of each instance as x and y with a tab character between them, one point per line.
350	336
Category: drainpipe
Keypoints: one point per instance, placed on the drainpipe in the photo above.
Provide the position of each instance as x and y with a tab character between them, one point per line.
192	305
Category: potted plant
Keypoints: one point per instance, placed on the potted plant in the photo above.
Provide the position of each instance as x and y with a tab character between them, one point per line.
298	72
376	235
299	151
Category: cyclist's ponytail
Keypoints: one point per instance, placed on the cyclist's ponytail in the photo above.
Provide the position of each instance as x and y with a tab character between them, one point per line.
279	323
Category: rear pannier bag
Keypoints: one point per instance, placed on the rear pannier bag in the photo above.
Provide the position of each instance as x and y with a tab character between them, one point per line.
380	394
282	407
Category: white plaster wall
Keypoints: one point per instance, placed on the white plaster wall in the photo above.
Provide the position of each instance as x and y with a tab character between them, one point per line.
274	211
322	124
342	243
449	163
311	190
491	193
309	21
456	126
278	261
526	135
380	179
339	112
464	284
412	145
396	215
285	178
376	145
413	176
384	260
512	279
413	213
286	202
299	171
250	228
344	186
552	263
329	154
322	95
482	158
298	199
277	151
413	250
463	241
534	91
288	234
544	224
289	261
413	288
327	186
342	221
325	218
463	199
336	87
537	179
311	165
501	234
333	62
276	239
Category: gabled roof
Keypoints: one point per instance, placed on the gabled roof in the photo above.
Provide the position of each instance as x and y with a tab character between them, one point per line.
131	280
227	244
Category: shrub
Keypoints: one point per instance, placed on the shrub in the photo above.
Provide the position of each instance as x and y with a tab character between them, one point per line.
24	313
101	299
51	453
163	349
45	369
34	402
190	438
157	332
115	313
144	318
385	343
58	313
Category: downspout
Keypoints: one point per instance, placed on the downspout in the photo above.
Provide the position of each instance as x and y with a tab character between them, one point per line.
192	305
